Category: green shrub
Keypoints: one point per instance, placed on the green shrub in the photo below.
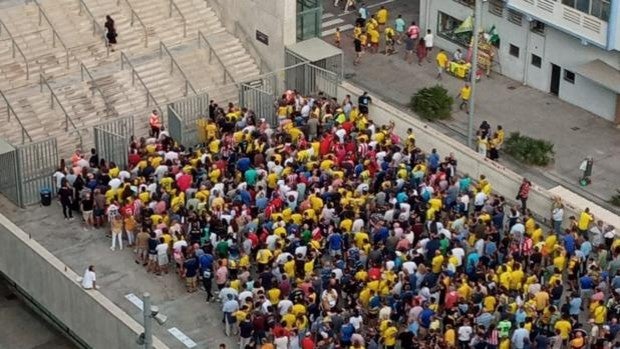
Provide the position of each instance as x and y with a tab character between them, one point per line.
432	103
529	150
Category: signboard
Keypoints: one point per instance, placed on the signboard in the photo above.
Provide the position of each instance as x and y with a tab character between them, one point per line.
262	37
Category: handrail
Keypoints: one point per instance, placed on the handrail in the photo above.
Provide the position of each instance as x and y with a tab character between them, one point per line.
96	26
263	66
134	75
172	5
227	75
54	97
134	15
9	110
188	85
84	69
16	47
55	36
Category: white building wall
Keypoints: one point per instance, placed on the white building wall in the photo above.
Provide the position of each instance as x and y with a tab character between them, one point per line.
553	46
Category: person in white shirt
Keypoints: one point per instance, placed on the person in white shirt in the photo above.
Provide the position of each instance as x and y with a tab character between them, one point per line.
428	42
89	281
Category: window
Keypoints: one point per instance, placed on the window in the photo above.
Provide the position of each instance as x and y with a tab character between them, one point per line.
515	17
536	61
514	50
596	8
537	27
470	3
496	7
448	28
569	76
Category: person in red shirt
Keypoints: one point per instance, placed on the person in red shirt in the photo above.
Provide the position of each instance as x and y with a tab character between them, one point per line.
307	342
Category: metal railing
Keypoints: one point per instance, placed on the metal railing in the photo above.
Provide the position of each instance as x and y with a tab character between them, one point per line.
54	98
172	5
227	75
15	48
173	63
55	36
96	87
9	111
134	76
243	36
134	16
97	28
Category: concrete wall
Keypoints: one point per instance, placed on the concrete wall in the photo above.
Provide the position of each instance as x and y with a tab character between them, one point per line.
503	180
90	315
553	46
276	18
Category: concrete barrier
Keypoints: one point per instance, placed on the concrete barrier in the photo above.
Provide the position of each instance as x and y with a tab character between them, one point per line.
89	314
503	180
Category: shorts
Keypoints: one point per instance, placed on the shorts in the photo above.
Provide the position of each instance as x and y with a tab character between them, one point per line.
141	251
374	44
99	212
162	260
439	70
87	215
190	281
429	49
153	257
409	44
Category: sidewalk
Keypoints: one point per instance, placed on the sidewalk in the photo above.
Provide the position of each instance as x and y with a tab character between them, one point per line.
575	132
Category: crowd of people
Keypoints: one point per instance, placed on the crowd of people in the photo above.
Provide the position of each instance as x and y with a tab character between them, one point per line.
328	230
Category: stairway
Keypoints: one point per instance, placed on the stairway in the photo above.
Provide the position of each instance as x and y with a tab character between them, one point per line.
35	42
124	95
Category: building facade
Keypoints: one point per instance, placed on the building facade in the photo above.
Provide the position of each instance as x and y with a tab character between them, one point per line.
570	48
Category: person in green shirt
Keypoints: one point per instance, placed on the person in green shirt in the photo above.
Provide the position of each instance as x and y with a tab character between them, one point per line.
504	328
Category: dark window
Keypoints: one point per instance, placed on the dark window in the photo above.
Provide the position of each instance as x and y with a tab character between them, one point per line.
514	50
536	61
515	17
447	28
537	27
569	76
496	7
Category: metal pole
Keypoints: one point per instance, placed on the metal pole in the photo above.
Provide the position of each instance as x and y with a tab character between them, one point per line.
473	71
148	321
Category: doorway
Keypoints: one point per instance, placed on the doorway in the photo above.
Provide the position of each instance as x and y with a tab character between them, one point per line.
556	72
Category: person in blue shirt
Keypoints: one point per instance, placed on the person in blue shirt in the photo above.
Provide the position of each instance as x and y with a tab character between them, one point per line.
569	244
426	317
243	164
433	160
335	244
206	270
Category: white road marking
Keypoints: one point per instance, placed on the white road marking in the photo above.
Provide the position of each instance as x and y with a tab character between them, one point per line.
333	30
327	15
135	300
188	342
332	22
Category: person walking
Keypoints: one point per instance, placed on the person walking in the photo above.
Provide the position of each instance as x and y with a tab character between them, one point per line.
421	51
117	232
357	42
111	34
155	124
399	26
524	192
66	199
464	95
442	61
428	42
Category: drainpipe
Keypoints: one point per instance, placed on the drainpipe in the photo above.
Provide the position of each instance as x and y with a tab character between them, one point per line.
612	27
528	33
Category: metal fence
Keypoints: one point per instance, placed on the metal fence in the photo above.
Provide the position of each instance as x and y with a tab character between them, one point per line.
260	96
26	169
183	118
112	140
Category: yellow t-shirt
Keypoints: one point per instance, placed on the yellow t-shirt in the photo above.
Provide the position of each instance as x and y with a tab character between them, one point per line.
442	59
436	263
382	16
465	93
564	327
584	220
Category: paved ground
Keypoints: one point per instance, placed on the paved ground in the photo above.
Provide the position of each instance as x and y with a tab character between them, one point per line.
20	328
118	275
575	132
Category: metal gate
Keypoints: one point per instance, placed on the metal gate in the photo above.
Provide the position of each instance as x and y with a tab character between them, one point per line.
112	140
9	177
309	79
183	118
259	96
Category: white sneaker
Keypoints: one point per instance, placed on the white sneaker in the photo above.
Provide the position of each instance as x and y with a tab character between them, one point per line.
112	248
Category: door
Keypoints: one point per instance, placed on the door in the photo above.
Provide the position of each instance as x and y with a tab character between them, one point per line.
556	72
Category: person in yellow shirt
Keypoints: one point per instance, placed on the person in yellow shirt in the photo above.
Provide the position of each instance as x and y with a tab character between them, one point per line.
564	327
390	39
585	219
374	36
389	335
437	262
382	16
464	95
442	62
